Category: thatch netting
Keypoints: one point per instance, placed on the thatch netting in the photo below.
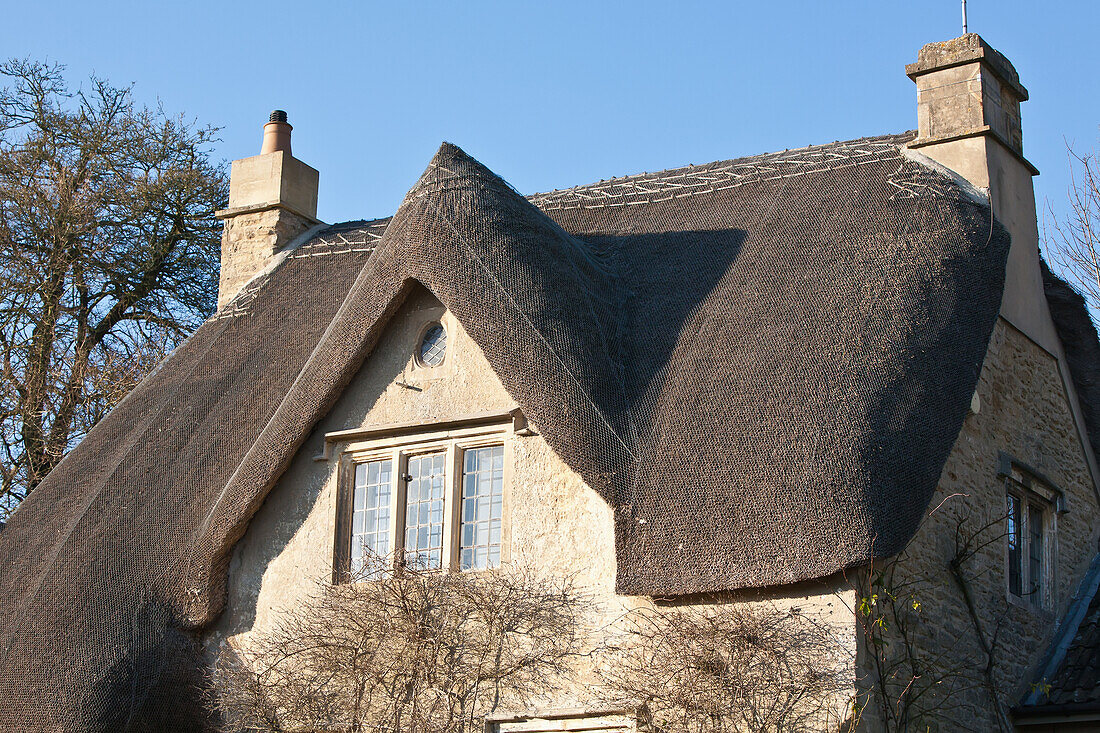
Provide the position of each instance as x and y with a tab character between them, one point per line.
760	364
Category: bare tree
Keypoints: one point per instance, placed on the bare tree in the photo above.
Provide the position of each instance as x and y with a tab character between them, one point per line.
914	678
1073	243
418	651
728	667
108	256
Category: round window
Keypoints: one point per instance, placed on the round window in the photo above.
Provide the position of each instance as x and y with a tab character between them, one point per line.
433	346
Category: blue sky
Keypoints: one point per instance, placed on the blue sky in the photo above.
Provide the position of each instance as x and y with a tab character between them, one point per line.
554	94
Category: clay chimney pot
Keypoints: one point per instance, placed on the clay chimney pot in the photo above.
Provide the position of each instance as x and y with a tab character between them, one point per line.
276	134
272	200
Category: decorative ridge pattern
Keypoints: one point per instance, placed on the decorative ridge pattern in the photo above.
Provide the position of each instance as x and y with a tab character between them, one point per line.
675	183
349	236
644	188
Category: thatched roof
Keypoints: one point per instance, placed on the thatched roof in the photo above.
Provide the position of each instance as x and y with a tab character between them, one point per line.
760	364
1078	335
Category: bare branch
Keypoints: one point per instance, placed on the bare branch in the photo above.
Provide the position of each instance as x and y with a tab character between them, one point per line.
1072	242
412	651
108	251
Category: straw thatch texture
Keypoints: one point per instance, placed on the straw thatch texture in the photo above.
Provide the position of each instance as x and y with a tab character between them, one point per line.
1079	339
760	364
92	564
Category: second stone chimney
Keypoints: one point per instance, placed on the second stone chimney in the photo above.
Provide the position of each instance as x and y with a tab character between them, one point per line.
964	88
968	120
272	199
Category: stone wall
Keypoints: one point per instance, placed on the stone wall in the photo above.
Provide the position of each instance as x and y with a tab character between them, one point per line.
249	241
1023	413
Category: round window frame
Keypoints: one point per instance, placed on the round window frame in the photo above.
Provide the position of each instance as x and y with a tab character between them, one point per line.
419	348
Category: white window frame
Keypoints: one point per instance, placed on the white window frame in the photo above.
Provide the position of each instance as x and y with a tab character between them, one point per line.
453	442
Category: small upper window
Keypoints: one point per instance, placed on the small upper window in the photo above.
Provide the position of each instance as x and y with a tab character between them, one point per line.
433	345
1029	530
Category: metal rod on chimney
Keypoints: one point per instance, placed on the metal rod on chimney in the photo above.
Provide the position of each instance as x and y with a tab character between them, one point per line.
964	17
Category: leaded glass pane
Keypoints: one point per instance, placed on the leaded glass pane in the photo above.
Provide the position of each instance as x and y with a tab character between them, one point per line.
482	503
370	521
424	512
434	346
1015	547
1035	552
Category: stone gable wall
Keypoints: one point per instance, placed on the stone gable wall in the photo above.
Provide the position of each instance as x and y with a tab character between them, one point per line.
1024	413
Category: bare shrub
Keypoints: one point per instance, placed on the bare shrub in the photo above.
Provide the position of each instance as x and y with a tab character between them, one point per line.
916	676
409	651
1073	242
729	667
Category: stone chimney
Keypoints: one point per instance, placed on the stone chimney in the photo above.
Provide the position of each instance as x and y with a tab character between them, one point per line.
968	120
965	88
272	199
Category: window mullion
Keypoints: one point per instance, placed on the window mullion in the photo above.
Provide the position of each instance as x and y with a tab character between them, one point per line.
451	502
1035	542
1016	579
1024	549
397	515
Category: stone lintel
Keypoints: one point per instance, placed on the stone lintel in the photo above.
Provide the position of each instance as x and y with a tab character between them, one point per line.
223	214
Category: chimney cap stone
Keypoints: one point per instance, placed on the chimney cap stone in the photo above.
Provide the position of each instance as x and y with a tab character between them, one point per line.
963	50
277	115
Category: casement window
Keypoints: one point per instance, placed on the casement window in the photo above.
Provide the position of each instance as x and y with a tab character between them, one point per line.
372	505
1026	548
1030	524
435	500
